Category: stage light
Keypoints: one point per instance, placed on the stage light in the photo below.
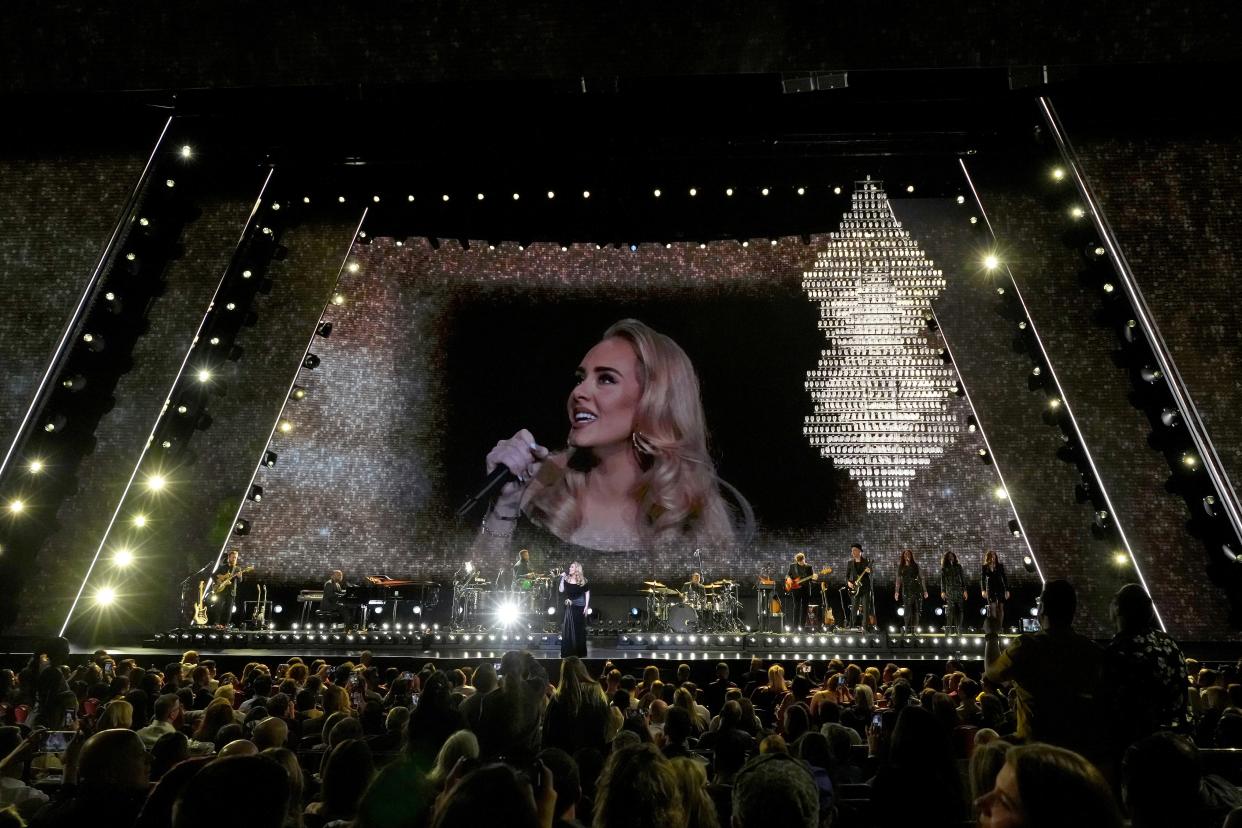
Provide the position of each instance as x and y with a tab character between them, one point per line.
256	493
1054	403
765	191
1037	371
1000	493
1108	287
186	151
801	191
939	610
1028	563
1150	375
123	557
693	192
1100	519
16	507
298	393
156	482
324	329
140	520
269	458
729	192
35	466
338	299
991	262
836	191
284	426
983	452
310	362
170	183
242	527
551	194
444	197
215	340
104	596
971	425
278	608
656	192
901	611
479	196
745	243
1077	212
1210	506
1058	173
1170	417
1121	558
1189	460
633	248
353	267
508	614
516	196
231	306
909	188
961	199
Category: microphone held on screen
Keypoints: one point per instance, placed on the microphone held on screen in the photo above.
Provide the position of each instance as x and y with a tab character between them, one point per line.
498	477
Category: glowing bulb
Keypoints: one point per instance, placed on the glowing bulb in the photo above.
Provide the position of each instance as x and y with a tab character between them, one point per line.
123	557
338	298
729	192
693	192
353	267
551	194
586	193
1001	494
16	507
656	192
105	596
1058	173
991	262
285	426
35	466
186	151
156	482
961	199
1121	558
1077	212
140	520
204	375
444	197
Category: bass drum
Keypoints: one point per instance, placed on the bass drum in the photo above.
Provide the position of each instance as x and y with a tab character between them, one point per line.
683	619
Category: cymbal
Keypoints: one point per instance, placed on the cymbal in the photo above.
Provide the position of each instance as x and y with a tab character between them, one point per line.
712	586
653	583
667	591
529	575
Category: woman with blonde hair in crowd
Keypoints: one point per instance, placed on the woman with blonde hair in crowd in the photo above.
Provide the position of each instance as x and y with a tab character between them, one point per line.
577	715
461	745
636	473
769	697
692	782
116	713
684	699
288	760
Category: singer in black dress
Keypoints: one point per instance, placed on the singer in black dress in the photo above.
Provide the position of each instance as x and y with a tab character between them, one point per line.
577	601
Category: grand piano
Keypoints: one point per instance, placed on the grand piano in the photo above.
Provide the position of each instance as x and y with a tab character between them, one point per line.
378	595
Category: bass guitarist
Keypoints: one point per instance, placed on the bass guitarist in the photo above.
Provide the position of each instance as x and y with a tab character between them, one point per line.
225	581
798	585
858	582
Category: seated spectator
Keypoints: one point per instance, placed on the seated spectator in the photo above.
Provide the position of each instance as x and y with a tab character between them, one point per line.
265	784
217	715
768	698
813	749
170	749
968	711
700	811
167	712
985	764
14	750
638	789
567	783
797	722
394	731
346	775
288	760
461	744
490	796
1044	785
157	810
684	699
239	747
773	744
1163	783
112	780
510	720
225	735
775	789
920	774
677	732
432	722
484	683
270	733
714	693
858	716
577	714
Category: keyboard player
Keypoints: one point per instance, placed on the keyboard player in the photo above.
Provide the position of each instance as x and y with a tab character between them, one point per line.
333	589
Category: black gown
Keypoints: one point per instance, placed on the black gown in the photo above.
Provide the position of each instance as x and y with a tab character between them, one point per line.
573	628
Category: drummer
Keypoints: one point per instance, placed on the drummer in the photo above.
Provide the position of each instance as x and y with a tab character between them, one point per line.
692	591
524	569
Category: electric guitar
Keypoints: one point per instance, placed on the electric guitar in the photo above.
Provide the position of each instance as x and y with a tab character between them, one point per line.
223	581
852	586
793	583
200	609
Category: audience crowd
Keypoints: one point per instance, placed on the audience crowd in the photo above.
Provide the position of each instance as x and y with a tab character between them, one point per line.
1054	730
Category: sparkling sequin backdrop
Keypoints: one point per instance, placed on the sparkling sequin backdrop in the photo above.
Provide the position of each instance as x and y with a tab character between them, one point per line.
436	354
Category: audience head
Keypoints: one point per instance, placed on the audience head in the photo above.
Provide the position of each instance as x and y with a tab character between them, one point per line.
114	758
169	750
677	726
490	795
485	678
775	789
1042	786
346	775
638	789
1057	603
264	781
462	744
985	763
1132	609
270	733
1160	778
239	747
565	780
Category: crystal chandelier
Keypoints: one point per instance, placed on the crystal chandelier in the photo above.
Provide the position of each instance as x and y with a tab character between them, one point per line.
881	388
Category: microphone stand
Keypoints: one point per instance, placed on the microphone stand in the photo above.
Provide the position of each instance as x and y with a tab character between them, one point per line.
185	584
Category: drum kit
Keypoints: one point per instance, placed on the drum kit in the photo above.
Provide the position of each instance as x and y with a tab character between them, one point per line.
713	607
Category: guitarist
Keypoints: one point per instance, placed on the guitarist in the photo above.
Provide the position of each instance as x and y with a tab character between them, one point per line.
224	589
858	581
798	584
